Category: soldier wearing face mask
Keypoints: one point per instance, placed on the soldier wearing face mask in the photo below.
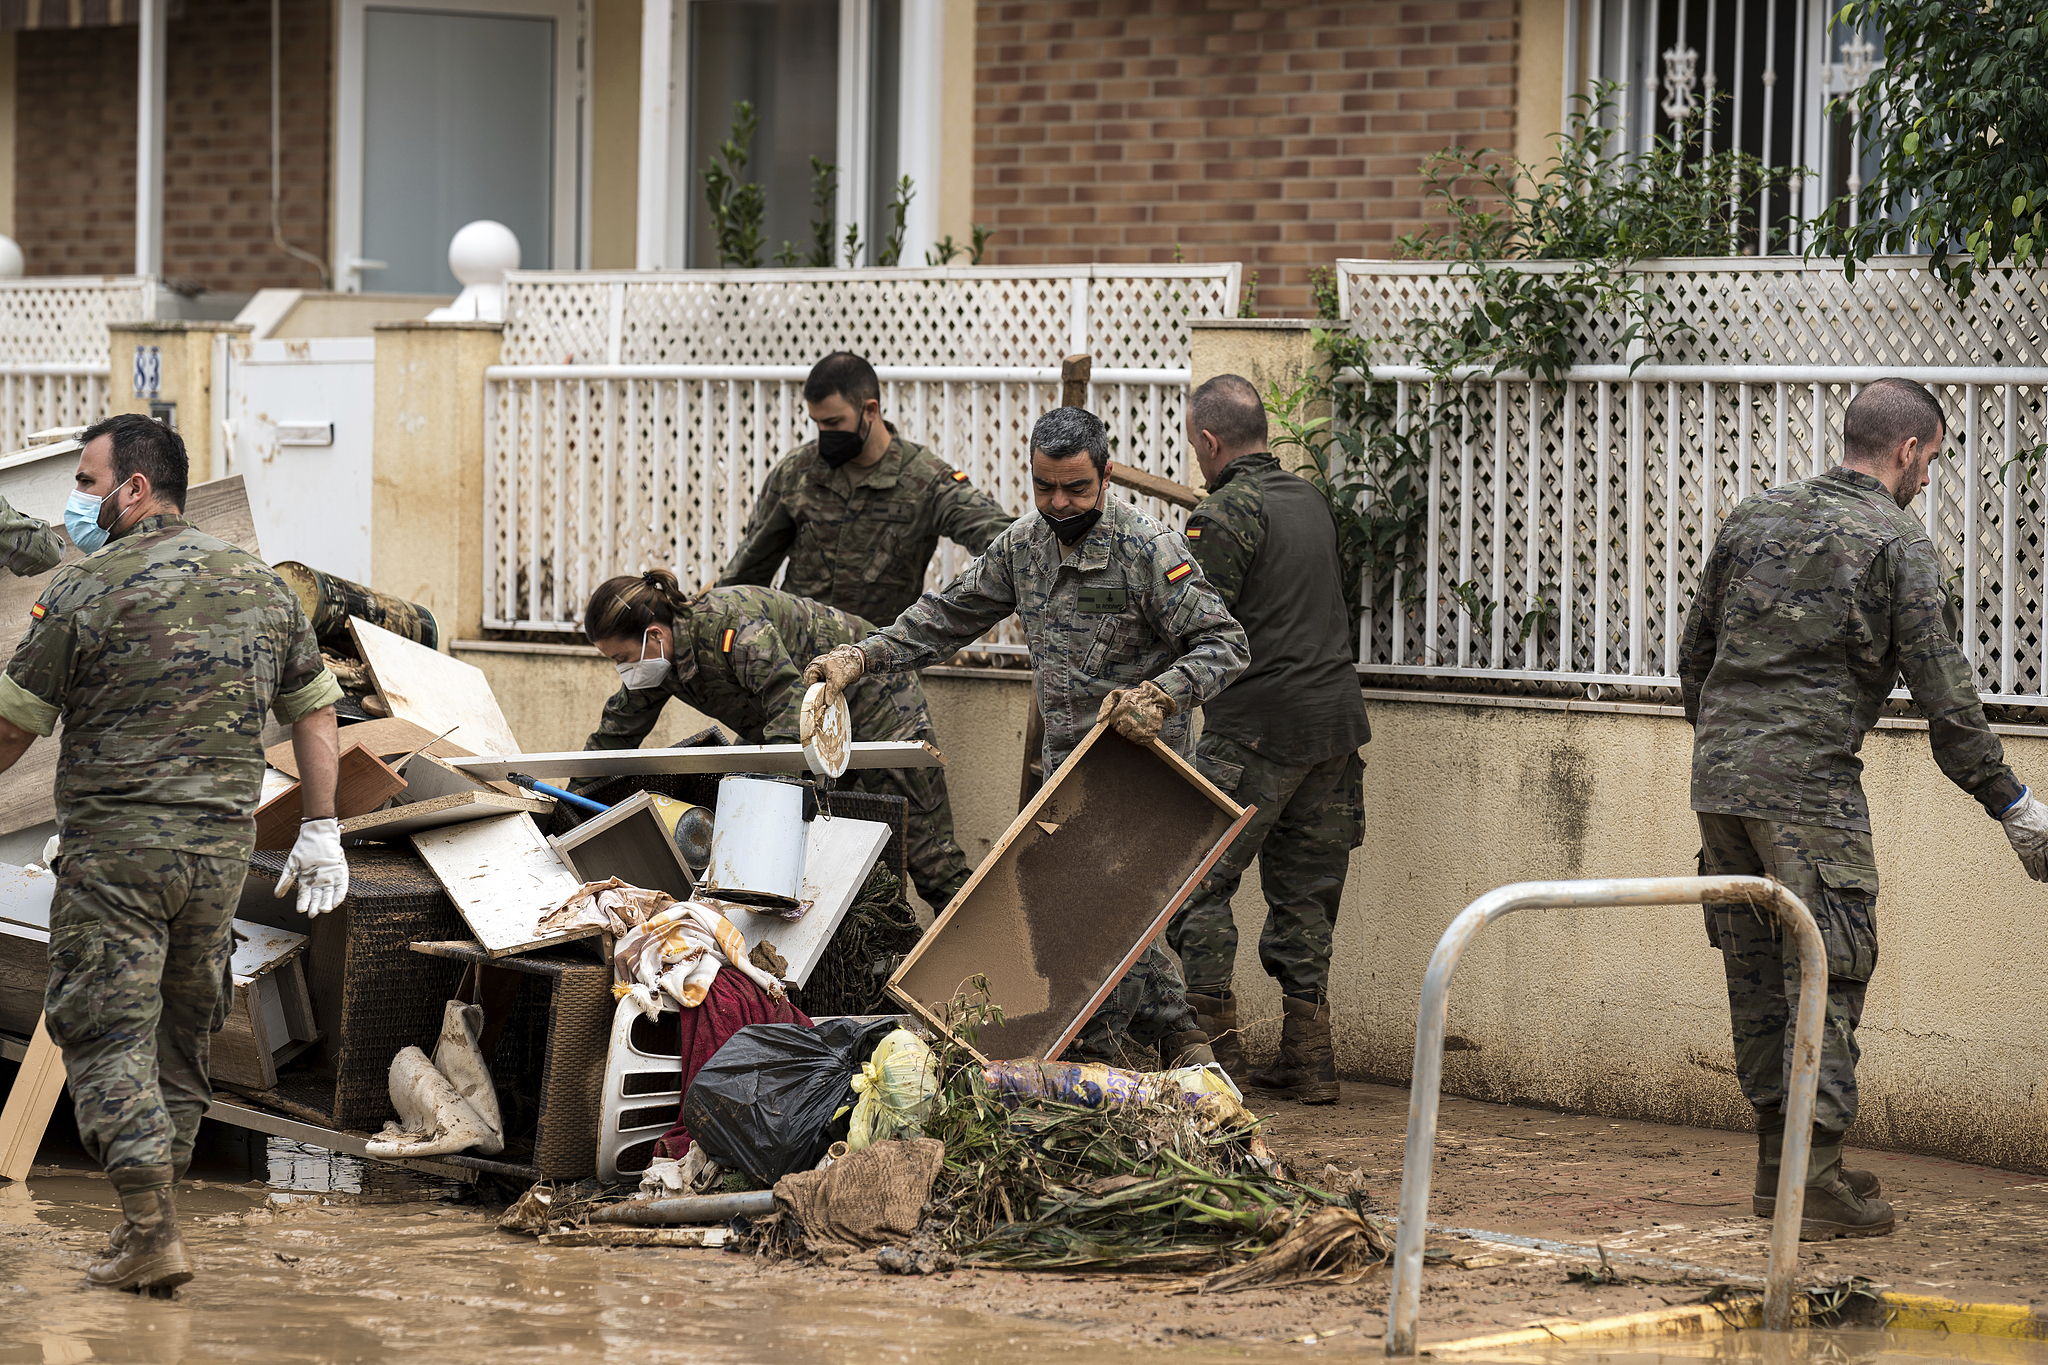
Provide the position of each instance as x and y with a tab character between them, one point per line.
859	511
737	655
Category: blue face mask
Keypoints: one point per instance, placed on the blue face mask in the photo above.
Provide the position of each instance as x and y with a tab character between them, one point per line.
82	521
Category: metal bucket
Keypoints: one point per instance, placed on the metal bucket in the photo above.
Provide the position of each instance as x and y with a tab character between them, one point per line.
757	842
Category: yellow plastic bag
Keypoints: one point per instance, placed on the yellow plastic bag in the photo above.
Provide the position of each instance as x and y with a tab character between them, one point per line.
895	1088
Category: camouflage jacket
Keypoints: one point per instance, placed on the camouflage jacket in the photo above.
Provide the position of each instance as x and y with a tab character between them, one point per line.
861	539
27	546
740	656
1127	603
1816	598
160	654
1267	543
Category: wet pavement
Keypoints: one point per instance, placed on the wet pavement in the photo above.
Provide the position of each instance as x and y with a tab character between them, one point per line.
305	1255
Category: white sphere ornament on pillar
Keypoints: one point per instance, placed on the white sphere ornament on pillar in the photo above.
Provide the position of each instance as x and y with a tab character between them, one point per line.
12	264
480	254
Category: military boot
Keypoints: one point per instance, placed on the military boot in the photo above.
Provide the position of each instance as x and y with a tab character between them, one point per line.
1185	1049
1216	1011
1306	1067
1832	1209
118	1236
145	1251
1769	1151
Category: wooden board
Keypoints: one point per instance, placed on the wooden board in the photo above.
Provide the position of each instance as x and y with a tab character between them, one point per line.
416	817
28	789
384	738
1152	485
446	695
1073	893
30	1102
838	855
364	783
502	877
734	758
428	777
24	976
629	842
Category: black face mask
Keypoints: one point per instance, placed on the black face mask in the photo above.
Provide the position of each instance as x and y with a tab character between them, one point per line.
1071	529
835	448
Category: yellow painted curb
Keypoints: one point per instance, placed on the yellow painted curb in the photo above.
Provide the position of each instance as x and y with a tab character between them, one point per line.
1918	1312
1686	1320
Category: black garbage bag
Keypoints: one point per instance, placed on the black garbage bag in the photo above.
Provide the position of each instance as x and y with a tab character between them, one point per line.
765	1101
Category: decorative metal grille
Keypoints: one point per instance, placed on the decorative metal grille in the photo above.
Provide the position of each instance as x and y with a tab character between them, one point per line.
1590	505
636	414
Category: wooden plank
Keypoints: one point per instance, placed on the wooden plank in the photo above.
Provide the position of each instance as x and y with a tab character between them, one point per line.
242	1052
429	776
838	855
502	877
1073	893
30	1102
383	738
1153	486
260	949
444	694
416	817
25	895
364	783
28	789
736	758
24	976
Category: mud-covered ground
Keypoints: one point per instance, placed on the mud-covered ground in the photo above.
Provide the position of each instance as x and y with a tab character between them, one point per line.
320	1258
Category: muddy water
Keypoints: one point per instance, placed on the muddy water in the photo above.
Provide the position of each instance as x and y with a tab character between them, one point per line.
331	1259
1793	1348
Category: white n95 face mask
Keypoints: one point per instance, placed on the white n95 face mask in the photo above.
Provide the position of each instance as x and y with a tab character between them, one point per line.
644	673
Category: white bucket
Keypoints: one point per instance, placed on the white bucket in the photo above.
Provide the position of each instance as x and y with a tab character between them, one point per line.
757	842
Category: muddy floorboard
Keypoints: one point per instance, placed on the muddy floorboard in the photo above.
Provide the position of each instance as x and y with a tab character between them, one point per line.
322	1258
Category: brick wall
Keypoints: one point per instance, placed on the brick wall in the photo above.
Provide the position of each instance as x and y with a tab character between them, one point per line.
75	147
1280	134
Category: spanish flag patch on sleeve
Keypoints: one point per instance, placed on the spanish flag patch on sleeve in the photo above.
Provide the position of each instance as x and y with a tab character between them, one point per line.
38	612
725	640
1179	571
959	476
1194	533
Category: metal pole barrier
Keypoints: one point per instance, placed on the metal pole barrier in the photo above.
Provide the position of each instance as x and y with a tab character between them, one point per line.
1405	1297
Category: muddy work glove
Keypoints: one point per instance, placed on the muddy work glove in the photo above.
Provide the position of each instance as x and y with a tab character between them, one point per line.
318	868
839	670
1137	712
2026	829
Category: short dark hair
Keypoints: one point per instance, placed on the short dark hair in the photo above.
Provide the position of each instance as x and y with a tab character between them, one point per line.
1887	413
1228	407
845	374
145	446
1066	432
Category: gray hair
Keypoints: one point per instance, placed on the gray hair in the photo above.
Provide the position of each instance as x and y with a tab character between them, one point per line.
1066	432
1228	408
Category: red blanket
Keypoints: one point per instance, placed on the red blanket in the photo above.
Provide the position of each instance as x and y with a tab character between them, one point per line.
732	1003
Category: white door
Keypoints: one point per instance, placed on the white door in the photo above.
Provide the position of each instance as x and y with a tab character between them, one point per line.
447	113
299	416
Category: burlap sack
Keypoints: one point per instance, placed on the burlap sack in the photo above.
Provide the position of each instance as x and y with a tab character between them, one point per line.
870	1198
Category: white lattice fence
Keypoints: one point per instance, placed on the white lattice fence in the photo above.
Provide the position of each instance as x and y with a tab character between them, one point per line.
53	349
637	414
1569	521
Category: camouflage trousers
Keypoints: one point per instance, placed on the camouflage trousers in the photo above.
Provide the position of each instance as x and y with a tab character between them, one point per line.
1834	873
1149	1004
896	709
1309	819
139	949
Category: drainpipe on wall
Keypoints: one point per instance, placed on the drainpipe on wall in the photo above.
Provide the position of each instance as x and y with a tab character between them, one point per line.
149	138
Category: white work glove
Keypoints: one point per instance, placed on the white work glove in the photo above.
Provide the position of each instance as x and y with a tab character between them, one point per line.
317	866
838	670
50	852
2026	829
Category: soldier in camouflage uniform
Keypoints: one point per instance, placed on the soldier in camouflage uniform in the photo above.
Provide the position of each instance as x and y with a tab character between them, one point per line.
27	546
859	511
1122	627
736	654
1816	598
1284	738
160	654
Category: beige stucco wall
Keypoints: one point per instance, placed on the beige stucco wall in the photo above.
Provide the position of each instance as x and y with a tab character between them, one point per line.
1539	79
1273	353
615	130
186	351
1618	1012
